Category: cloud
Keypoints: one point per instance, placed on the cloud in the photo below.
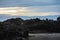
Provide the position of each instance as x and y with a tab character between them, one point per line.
15	8
25	12
31	11
45	8
19	3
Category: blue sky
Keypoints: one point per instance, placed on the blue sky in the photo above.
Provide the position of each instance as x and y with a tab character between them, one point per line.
29	8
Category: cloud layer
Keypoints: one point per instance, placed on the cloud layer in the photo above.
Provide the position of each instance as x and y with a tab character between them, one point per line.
30	7
9	3
14	8
31	11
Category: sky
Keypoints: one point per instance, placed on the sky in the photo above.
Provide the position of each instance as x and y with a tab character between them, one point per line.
29	8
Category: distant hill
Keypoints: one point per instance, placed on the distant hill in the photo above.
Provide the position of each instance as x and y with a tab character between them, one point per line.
33	24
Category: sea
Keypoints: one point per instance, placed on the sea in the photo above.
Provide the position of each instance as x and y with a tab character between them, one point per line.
45	36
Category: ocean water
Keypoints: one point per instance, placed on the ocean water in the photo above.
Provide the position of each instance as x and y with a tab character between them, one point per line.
45	36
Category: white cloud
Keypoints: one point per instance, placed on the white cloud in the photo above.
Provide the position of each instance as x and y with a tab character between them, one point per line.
25	11
13	10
